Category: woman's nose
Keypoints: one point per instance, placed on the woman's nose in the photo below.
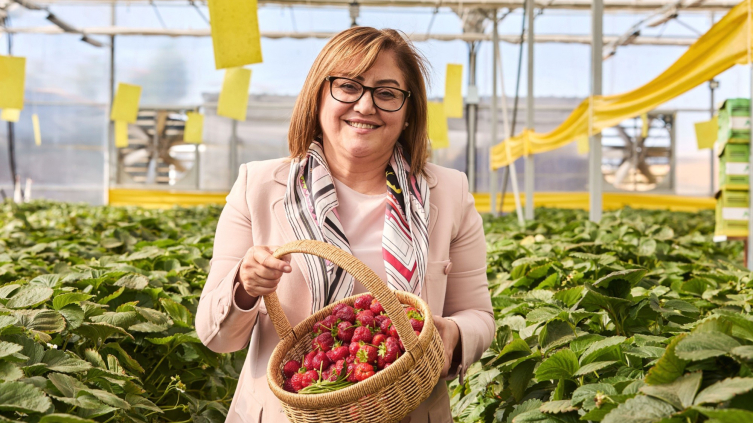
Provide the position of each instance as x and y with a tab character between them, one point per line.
365	105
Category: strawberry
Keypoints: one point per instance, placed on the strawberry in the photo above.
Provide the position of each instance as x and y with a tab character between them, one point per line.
288	385
390	350
338	307
380	362
346	314
378	339
290	368
412	312
361	334
297	381
376	308
366	318
354	347
338	353
417	325
320	361
393	331
378	319
326	375
367	354
363	302
345	331
325	325
351	372
385	325
364	371
336	368
323	342
308	360
309	377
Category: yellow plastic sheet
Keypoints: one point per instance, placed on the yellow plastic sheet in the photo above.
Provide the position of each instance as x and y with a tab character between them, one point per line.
453	91
37	132
611	201
235	33
121	134
163	198
645	124
10	115
12	78
194	130
125	107
723	46
583	145
706	133
437	121
233	99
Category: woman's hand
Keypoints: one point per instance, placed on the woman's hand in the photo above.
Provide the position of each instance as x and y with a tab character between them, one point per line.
259	274
450	334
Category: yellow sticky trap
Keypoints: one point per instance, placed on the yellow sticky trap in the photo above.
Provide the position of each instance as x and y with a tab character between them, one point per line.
194	130
644	125
37	132
121	134
437	120
453	91
125	107
12	78
10	115
233	99
235	33
706	133
583	145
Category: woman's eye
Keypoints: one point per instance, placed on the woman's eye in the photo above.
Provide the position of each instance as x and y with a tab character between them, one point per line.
349	87
386	94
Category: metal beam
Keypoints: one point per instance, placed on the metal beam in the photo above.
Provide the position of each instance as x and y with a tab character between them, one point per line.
594	156
494	113
468	37
529	171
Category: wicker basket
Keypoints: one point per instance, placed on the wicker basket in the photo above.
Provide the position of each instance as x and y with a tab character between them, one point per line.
388	396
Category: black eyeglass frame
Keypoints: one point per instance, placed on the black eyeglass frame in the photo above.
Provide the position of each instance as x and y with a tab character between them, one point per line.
330	79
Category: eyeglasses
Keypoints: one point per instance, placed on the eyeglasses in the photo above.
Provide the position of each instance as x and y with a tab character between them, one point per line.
346	90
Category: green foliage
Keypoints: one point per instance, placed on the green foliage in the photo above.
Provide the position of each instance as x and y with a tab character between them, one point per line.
638	319
96	316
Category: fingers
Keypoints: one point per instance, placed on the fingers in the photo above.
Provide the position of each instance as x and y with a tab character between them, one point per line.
263	255
260	271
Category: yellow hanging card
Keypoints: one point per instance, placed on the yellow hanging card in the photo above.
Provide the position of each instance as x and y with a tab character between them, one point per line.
453	91
706	133
233	99
235	33
37	132
645	123
121	134
438	133
10	115
583	145
125	107
194	130
12	76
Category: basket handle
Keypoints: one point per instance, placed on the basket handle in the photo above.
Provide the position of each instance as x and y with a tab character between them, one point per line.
360	272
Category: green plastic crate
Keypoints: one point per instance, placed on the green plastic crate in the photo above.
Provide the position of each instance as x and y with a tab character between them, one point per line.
732	213
734	122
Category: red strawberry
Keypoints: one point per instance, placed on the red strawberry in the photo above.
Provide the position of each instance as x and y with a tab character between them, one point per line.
338	307
380	362
367	354
376	308
308	360
345	331
297	381
323	342
361	334
390	350
338	353
364	371
378	319
366	318
336	368
346	314
309	377
354	347
412	312
417	325
320	361
326	324
378	339
393	331
290	368
288	385
351	372
385	325
363	302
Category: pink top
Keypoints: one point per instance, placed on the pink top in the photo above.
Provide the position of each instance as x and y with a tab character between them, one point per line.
362	218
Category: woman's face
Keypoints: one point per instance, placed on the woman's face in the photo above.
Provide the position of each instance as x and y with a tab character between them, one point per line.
360	130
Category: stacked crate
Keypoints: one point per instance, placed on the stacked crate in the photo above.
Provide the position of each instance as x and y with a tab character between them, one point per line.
733	145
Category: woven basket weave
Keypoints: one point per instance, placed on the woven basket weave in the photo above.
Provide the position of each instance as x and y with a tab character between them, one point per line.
386	397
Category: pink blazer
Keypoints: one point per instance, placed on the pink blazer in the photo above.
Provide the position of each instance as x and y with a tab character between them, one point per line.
455	285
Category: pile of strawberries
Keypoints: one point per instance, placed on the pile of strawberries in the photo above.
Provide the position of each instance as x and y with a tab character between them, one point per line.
351	345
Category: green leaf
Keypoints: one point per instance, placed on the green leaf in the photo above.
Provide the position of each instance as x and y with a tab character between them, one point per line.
50	281
679	393
48	321
641	409
562	364
63	418
744	351
699	346
570	296
532	404
727	415
557	407
632	276
30	296
178	312
125	357
133	281
148	327
8	289
519	378
669	367
10	372
724	390
59	361
73	314
599	348
647	247
555	333
114	295
137	401
69	298
119	319
19	396
9	348
594	367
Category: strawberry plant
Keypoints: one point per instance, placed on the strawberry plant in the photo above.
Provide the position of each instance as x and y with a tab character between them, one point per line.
639	318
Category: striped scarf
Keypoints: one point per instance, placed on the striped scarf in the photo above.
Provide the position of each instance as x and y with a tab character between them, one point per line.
310	206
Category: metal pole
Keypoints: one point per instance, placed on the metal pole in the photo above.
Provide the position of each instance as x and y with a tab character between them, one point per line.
529	112
234	152
111	176
494	137
713	84
472	116
594	158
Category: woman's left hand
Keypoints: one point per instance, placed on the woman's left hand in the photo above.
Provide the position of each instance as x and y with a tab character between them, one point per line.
450	334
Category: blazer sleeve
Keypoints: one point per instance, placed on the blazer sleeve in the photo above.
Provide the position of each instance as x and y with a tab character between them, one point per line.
221	325
467	301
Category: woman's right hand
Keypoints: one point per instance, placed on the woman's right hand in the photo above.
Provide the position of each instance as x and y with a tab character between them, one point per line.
259	274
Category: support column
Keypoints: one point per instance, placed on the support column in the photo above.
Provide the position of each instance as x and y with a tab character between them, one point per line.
494	139
528	176
749	245
713	84
110	152
233	153
594	158
472	101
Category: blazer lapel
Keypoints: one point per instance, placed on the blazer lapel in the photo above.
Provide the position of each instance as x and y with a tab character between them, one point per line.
431	180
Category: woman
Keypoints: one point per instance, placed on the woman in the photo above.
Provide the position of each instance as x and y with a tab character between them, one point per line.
357	178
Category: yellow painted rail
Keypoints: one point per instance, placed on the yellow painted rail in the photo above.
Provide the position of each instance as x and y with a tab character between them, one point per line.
164	199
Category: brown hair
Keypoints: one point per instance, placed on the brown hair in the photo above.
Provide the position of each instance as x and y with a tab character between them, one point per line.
364	44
